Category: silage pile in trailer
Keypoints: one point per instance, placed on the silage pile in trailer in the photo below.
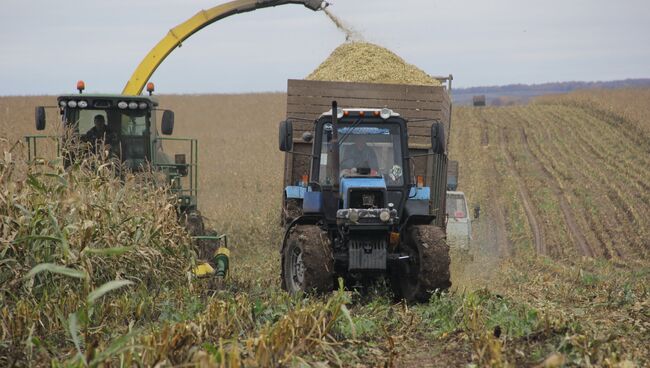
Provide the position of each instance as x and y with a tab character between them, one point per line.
366	62
70	239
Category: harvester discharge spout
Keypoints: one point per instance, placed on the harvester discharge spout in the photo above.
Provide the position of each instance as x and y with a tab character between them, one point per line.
202	19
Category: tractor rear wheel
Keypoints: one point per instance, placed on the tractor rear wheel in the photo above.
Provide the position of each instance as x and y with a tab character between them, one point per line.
427	268
307	261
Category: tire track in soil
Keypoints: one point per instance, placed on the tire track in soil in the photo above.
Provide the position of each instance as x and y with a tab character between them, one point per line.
501	234
538	235
632	176
596	225
576	234
593	222
496	233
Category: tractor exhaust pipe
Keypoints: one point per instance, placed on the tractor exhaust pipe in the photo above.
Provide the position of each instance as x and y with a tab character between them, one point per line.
333	152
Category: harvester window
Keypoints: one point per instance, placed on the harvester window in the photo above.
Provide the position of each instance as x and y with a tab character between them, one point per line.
85	119
133	125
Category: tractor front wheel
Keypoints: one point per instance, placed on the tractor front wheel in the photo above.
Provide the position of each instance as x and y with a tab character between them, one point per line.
427	268
307	261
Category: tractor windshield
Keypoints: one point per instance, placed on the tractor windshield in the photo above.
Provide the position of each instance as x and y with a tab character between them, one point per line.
126	132
365	150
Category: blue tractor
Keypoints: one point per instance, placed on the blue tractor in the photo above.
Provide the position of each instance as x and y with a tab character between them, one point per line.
362	213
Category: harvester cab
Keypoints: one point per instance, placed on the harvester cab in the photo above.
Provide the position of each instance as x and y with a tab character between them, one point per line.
363	214
124	127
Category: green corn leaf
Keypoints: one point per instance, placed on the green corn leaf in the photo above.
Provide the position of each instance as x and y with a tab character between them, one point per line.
106	288
58	177
115	251
346	313
116	347
35	183
73	326
62	236
36	237
54	268
24	210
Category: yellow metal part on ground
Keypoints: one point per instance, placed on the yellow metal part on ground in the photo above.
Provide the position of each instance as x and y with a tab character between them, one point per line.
223	250
180	33
203	270
221	261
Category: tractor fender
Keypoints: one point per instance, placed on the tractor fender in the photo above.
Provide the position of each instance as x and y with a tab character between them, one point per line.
302	220
416	220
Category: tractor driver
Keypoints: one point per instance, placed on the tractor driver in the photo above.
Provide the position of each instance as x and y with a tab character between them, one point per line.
358	155
99	132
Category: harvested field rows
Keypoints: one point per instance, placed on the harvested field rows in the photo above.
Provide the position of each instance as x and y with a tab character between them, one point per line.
586	178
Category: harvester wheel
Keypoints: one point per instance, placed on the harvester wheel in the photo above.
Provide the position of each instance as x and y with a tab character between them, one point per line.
427	268
307	261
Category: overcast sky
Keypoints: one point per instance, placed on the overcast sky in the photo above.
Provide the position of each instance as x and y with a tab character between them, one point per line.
46	46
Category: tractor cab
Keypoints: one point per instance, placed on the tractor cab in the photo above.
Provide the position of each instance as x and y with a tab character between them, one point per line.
125	127
369	177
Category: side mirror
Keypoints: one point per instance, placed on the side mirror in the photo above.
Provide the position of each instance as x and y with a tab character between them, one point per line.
477	212
438	138
40	118
167	122
286	136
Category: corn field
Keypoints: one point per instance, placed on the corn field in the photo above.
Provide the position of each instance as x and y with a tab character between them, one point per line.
95	267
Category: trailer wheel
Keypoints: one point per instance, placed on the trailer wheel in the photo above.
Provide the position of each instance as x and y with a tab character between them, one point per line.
307	261
427	269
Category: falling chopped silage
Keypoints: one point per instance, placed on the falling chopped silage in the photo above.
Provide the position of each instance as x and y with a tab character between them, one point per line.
350	33
367	62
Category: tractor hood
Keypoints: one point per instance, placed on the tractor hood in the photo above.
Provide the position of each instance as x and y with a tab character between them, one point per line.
360	183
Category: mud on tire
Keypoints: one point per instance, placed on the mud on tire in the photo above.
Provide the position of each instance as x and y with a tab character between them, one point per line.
427	269
291	211
307	261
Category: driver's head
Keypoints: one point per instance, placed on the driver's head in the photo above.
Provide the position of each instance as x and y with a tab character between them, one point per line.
100	122
360	141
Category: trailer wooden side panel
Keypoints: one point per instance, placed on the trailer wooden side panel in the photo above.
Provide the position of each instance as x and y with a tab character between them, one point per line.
420	105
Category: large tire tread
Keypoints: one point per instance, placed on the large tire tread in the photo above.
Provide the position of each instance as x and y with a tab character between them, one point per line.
317	258
433	265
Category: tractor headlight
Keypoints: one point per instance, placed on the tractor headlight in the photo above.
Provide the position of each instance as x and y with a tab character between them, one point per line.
385	113
63	104
384	215
83	104
142	105
354	215
72	104
133	105
122	105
